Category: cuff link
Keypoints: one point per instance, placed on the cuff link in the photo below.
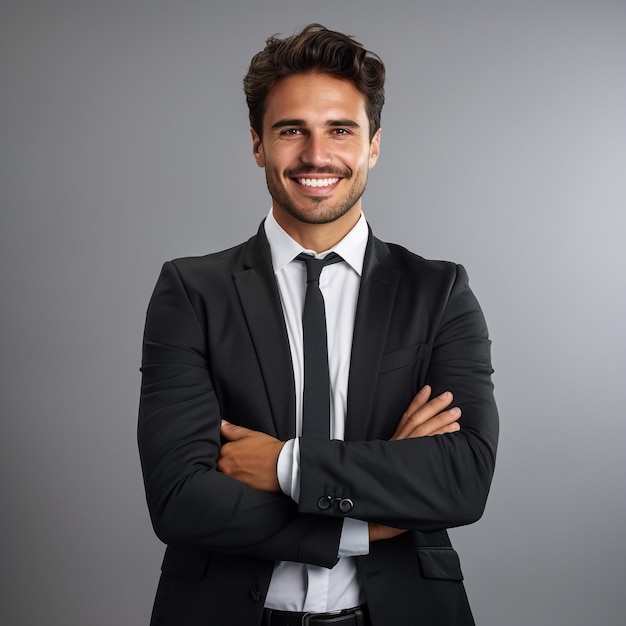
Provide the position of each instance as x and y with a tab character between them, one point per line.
344	505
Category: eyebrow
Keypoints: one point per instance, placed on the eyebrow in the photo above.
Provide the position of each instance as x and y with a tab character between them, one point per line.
330	123
348	123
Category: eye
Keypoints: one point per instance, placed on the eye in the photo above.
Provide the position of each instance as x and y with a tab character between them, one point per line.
341	131
290	132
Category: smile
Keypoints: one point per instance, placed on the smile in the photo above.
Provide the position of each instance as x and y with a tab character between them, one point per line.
318	182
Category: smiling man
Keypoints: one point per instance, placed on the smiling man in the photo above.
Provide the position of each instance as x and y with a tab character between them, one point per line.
316	149
316	406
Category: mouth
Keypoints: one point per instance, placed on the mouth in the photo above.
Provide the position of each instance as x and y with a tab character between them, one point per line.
317	182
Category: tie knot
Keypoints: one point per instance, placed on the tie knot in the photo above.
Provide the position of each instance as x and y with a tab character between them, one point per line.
315	266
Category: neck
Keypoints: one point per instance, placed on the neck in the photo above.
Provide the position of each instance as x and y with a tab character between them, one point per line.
318	237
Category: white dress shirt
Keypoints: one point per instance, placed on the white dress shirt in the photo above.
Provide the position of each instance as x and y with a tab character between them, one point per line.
297	586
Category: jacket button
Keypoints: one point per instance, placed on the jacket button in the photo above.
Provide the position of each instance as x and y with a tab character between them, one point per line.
346	505
324	503
255	594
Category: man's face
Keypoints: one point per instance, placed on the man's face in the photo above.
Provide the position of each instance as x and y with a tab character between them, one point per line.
315	149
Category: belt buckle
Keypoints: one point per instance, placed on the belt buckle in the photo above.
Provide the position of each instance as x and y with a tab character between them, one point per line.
307	617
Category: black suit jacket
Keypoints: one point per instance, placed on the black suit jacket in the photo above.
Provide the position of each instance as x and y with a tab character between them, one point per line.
216	346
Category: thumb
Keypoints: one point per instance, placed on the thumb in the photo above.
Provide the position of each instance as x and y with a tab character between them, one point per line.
232	431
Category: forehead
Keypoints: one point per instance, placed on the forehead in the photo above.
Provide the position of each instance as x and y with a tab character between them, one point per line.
314	97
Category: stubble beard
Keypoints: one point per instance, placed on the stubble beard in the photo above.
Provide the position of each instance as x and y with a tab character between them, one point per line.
322	214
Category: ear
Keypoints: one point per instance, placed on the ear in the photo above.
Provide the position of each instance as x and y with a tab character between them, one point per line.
257	148
374	149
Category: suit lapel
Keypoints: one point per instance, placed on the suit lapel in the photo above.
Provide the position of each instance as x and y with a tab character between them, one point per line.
260	301
375	304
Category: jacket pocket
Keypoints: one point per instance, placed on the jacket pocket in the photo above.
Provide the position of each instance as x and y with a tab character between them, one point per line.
440	563
186	563
403	357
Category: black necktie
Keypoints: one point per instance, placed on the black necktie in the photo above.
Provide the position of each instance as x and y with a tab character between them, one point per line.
316	400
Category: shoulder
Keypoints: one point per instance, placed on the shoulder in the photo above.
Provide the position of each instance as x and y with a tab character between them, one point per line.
221	265
412	266
211	277
438	285
223	260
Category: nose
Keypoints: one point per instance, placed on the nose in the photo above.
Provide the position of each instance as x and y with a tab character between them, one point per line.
315	151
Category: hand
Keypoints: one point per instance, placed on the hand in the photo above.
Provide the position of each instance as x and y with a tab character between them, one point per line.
250	457
377	532
425	417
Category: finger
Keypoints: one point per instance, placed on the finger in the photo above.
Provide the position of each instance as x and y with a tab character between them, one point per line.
379	532
450	428
232	432
444	422
420	399
410	421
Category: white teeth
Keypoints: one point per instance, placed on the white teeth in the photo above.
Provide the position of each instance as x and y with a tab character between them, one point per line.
317	182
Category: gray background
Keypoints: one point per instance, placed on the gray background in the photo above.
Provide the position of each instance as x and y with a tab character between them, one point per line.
124	143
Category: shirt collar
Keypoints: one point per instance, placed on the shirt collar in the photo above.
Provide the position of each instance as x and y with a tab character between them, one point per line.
284	249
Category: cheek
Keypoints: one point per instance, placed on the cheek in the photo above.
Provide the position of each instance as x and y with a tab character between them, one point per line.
360	157
279	160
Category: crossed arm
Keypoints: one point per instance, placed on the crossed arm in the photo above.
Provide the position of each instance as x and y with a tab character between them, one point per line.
422	482
252	457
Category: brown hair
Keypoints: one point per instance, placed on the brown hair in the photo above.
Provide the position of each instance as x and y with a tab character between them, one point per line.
315	49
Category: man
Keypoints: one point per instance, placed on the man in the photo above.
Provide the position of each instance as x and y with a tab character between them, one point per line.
291	493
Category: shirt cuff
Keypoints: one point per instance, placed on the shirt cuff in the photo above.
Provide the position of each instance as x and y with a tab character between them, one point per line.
354	533
355	539
288	469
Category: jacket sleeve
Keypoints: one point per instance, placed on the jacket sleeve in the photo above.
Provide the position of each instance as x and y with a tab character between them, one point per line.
425	483
190	502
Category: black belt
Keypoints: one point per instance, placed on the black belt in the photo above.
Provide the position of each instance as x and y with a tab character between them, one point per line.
348	617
